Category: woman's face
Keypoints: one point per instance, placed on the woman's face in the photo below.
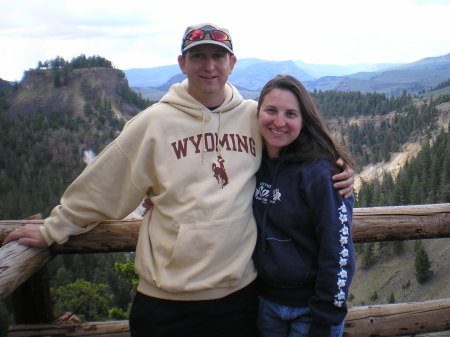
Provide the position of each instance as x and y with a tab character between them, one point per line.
280	120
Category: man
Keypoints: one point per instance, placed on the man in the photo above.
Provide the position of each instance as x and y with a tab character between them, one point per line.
194	154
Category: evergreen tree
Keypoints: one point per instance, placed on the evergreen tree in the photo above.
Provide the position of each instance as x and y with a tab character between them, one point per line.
89	301
373	296
368	255
441	85
422	264
423	180
391	298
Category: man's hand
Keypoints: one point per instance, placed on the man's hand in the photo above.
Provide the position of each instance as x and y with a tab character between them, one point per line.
28	235
345	179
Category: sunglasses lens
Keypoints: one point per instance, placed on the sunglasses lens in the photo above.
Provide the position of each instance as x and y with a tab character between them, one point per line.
196	35
218	35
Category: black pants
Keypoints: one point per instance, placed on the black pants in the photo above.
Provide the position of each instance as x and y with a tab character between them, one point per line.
231	316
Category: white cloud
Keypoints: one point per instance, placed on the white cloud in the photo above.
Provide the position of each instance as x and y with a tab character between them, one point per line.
138	33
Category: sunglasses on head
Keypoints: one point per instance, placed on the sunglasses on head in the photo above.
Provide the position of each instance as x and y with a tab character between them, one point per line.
199	34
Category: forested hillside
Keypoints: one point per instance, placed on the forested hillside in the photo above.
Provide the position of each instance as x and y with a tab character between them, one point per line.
406	271
5	87
374	126
423	180
62	109
49	120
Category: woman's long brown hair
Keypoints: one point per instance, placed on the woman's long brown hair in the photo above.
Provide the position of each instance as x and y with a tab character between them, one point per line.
315	140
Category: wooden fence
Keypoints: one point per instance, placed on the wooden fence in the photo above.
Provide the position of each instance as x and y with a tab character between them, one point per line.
18	263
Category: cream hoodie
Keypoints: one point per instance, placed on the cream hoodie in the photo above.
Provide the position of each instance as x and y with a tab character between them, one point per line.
198	168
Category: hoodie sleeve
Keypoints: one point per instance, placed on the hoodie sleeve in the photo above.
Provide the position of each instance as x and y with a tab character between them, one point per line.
110	187
332	218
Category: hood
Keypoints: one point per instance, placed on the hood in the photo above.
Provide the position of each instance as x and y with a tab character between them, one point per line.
179	97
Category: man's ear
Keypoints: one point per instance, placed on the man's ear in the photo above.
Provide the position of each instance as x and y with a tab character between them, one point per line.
233	60
182	63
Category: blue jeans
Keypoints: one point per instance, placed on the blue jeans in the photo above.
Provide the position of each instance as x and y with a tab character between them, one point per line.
276	320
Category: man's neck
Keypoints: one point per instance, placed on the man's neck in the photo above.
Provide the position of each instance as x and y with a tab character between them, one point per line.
209	101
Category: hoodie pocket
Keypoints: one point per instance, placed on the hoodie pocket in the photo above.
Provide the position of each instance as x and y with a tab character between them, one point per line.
283	265
211	254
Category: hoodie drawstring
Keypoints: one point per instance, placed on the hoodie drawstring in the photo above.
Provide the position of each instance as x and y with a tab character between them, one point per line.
218	146
203	134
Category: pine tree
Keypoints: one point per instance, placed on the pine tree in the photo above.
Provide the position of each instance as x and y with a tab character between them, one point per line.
391	298
89	301
368	255
373	296
422	264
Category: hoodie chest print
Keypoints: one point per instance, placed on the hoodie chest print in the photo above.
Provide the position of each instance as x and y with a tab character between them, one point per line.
212	142
219	172
264	193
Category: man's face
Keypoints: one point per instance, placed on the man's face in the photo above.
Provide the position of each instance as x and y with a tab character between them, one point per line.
207	68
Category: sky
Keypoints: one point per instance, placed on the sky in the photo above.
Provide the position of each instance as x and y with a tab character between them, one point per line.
145	34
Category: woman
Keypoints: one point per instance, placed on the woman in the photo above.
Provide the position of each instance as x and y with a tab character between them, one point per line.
304	254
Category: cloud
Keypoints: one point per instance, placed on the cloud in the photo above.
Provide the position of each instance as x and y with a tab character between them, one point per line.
137	33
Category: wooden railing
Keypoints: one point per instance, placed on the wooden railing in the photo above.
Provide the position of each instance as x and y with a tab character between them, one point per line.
18	263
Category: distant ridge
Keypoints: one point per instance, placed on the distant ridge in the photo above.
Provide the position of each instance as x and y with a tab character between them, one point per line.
151	77
251	74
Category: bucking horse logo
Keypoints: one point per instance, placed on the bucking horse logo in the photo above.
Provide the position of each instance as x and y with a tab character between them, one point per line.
219	172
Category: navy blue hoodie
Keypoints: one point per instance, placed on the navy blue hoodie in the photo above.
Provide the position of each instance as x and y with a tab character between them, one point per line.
304	254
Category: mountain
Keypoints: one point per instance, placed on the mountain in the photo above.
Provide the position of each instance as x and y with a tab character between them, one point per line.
151	77
255	75
413	77
5	87
159	76
83	89
249	74
427	63
174	79
252	73
320	70
48	122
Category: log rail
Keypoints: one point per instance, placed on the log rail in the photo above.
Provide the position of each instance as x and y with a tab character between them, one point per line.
379	320
393	223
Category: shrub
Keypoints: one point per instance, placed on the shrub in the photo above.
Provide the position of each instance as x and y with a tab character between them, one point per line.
87	300
373	296
406	284
391	298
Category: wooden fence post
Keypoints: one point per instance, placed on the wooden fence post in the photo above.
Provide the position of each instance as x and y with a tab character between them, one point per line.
33	293
18	263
